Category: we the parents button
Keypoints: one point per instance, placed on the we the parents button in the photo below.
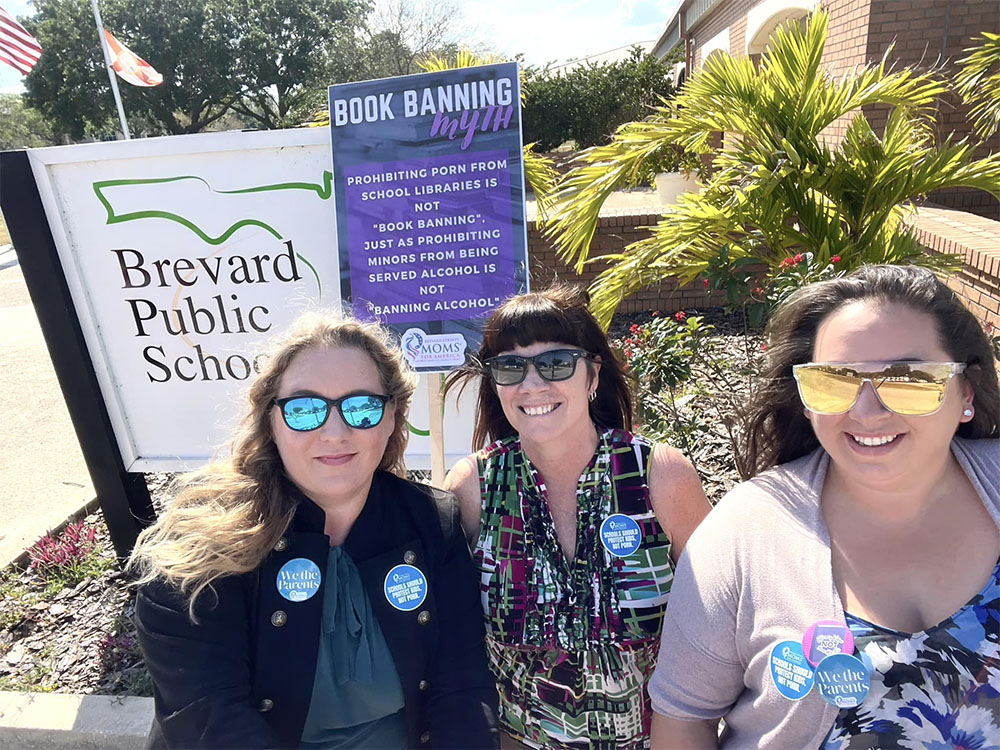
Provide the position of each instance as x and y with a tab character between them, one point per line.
843	680
620	535
298	579
790	672
405	587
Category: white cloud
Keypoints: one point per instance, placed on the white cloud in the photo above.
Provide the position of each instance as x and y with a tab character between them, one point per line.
567	30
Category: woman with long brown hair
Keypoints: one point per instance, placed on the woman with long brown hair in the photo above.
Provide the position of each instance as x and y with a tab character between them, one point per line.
575	524
303	593
848	594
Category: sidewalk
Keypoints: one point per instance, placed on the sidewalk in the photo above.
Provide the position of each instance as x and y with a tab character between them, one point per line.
43	479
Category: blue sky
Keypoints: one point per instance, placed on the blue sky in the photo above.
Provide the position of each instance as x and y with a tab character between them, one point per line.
544	32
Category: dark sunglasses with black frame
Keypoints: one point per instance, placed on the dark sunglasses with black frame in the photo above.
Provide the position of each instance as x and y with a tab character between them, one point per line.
553	365
362	411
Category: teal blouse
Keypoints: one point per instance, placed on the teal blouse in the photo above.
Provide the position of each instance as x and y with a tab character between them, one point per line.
357	699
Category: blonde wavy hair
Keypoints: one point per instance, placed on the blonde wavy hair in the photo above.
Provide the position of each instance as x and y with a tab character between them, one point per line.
228	516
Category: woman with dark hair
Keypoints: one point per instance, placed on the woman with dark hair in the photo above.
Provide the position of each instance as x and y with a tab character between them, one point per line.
848	594
303	593
575	525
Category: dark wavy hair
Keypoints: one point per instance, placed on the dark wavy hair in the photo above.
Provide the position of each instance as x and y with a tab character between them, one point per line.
777	430
559	314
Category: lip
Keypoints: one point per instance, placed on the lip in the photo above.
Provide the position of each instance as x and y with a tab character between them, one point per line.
335	459
873	450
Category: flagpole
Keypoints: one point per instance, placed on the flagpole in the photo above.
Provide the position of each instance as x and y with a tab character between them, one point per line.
111	72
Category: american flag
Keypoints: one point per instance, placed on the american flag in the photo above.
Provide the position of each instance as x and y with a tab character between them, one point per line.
17	46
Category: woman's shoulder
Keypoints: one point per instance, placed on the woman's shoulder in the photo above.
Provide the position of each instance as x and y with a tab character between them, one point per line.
427	502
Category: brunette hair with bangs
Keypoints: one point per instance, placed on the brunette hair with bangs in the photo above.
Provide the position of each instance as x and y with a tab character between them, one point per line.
559	314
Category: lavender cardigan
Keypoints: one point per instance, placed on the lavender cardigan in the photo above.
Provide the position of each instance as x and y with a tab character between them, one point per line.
758	571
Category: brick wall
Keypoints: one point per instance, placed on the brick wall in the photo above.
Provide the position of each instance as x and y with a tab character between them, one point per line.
939	230
930	33
614	232
977	240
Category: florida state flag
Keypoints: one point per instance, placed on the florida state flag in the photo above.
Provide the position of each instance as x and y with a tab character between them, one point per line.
129	66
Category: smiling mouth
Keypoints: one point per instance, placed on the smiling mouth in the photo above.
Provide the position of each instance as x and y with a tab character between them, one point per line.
874	441
537	411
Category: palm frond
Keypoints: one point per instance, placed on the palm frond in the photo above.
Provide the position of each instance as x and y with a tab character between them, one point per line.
978	81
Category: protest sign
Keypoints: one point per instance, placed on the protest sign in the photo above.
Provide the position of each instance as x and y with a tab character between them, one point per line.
430	204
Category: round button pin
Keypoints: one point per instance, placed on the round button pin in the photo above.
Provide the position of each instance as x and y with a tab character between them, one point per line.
826	638
620	535
298	579
405	587
843	680
790	672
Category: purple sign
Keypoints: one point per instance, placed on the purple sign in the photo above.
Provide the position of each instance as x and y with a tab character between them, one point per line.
429	188
430	238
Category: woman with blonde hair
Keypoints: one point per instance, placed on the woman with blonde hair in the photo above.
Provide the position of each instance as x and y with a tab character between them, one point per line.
302	593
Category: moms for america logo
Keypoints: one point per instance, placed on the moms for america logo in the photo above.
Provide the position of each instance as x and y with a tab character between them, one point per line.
218	285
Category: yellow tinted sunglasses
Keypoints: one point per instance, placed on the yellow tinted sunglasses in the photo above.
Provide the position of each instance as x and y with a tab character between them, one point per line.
913	389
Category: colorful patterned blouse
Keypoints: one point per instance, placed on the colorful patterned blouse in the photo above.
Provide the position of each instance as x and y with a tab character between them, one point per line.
572	643
937	689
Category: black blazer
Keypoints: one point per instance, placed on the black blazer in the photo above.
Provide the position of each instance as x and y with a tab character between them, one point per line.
243	676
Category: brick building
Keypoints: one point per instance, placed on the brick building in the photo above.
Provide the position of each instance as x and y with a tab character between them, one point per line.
926	33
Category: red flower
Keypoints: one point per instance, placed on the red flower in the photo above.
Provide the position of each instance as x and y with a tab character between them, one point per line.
633	328
786	262
764	347
705	282
656	314
835	259
680	315
758	290
799	257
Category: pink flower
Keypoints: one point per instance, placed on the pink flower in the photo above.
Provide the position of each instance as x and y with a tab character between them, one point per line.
758	290
705	282
799	257
656	314
680	315
835	259
633	328
786	262
764	347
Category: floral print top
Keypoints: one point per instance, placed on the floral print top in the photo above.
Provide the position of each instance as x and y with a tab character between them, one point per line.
937	689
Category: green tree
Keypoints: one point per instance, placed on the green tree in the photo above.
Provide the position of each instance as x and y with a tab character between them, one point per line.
21	127
779	188
588	103
285	51
265	60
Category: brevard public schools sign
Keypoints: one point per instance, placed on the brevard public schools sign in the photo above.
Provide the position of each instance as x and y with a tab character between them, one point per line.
184	256
430	204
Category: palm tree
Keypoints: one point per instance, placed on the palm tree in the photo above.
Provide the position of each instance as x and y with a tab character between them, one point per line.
780	187
979	82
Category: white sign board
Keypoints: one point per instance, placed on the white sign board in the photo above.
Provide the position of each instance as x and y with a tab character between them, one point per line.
184	255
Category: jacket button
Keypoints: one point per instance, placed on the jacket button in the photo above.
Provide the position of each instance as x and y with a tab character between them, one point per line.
423	685
409	557
424	617
265	705
279	618
425	738
281	545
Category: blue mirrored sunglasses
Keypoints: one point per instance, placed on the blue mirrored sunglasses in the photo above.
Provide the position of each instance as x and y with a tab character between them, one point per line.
361	411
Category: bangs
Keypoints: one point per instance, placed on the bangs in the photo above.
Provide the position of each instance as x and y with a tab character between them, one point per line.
528	321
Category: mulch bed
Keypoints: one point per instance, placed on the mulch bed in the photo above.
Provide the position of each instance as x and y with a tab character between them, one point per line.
81	639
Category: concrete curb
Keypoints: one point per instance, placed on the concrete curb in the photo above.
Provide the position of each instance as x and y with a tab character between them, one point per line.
30	721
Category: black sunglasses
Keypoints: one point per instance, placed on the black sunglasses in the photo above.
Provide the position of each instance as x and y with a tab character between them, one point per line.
555	365
361	411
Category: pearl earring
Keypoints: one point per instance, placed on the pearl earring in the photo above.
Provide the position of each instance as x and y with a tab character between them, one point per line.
967	412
